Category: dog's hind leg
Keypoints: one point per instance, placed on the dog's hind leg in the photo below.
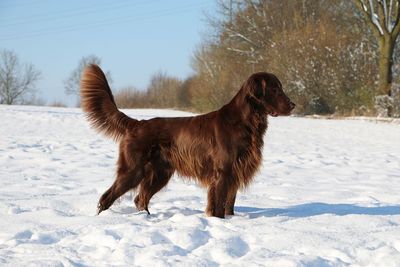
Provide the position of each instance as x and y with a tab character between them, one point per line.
124	182
149	186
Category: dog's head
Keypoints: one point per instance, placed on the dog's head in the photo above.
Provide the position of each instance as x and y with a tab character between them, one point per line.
264	92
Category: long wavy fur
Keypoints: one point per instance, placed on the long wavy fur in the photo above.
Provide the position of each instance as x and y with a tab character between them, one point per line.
222	150
98	103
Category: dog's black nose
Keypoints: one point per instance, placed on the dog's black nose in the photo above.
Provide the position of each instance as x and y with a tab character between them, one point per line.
292	105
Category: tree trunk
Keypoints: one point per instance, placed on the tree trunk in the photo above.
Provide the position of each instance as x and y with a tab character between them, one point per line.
386	47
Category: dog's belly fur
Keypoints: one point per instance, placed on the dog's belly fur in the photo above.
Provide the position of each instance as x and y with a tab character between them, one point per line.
205	161
198	159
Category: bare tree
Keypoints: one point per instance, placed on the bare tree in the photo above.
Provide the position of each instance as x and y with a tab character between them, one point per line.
71	84
130	97
383	18
163	90
16	80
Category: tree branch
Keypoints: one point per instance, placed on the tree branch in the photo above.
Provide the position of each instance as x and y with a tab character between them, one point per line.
383	19
241	36
389	25
375	17
396	26
368	16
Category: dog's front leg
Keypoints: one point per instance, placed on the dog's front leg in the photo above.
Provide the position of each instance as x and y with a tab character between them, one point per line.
210	200
217	197
230	201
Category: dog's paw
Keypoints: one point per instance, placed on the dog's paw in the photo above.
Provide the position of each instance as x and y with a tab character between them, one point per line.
213	213
100	208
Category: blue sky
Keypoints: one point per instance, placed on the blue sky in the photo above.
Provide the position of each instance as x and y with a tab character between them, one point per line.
134	38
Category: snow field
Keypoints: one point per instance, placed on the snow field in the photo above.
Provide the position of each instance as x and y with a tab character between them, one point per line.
327	195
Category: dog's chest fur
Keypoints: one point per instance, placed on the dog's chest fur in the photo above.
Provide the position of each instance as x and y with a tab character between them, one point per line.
249	154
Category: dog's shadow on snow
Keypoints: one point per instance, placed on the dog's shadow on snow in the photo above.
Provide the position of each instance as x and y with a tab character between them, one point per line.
314	209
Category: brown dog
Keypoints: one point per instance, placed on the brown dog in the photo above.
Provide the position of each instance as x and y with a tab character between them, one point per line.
221	150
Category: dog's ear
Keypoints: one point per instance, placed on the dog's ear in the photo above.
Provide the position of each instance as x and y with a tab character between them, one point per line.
258	88
255	87
256	93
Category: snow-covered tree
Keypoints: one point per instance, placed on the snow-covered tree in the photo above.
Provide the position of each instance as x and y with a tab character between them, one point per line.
383	18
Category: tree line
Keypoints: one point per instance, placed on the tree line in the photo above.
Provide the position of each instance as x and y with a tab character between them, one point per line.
332	56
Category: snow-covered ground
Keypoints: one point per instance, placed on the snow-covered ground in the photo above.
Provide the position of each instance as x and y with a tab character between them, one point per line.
328	194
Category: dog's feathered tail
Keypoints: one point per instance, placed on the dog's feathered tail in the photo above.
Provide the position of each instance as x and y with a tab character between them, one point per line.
98	103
